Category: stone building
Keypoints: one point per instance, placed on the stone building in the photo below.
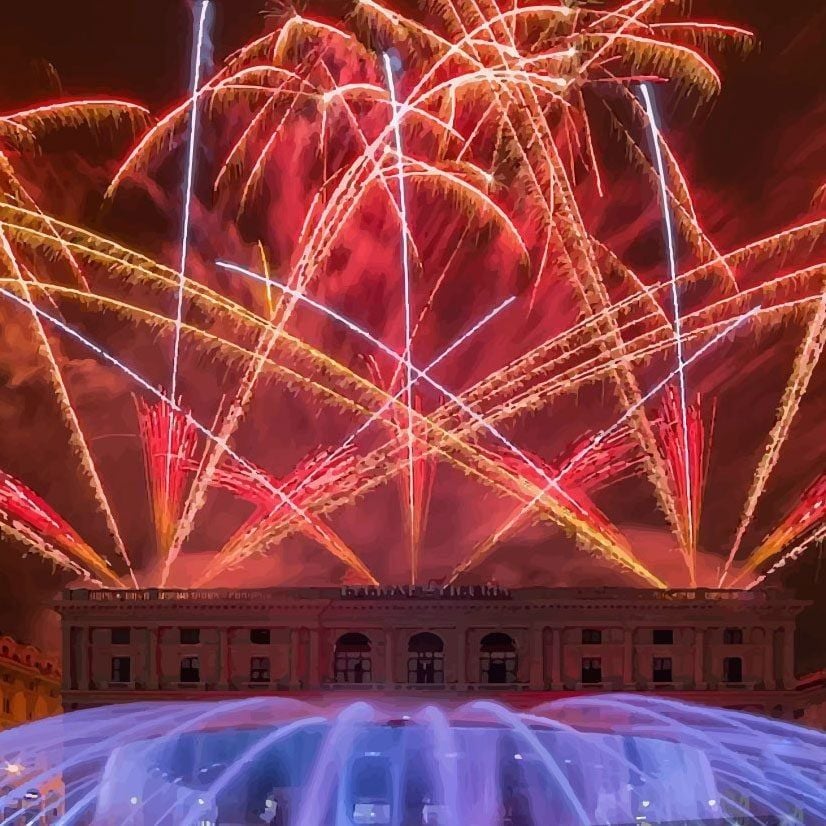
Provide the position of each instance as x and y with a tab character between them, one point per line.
727	648
29	683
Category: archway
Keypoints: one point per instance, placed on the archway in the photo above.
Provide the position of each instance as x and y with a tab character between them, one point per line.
426	660
352	662
497	658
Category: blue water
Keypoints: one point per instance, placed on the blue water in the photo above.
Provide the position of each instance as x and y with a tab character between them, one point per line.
587	761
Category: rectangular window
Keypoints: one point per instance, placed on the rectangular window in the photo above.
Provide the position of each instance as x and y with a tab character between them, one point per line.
121	669
661	670
591	670
260	636
591	636
663	636
733	670
6	705
190	636
190	670
259	669
733	636
121	636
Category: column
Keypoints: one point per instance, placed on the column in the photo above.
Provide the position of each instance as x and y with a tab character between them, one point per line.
66	666
537	660
699	658
556	659
389	654
627	657
223	675
314	677
789	680
769	680
295	643
152	635
461	656
84	661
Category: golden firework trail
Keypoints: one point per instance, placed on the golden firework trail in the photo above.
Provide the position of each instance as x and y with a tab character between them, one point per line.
805	361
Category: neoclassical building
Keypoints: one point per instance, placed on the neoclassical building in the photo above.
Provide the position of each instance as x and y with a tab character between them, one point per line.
727	648
29	683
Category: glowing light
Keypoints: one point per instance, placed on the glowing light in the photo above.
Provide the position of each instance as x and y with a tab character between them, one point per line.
14	768
197	58
133	800
690	538
408	354
190	174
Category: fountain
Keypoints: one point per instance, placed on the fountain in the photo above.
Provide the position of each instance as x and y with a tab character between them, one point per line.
584	761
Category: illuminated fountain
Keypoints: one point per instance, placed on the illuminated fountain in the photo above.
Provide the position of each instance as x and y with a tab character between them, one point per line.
581	761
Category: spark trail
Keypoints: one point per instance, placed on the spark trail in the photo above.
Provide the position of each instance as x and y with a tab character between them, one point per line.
205	431
326	465
420	374
197	59
805	361
190	175
690	539
408	354
602	436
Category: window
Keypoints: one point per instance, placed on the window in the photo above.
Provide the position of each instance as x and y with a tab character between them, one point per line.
661	670
190	636
352	659
663	636
733	670
190	670
498	659
121	636
260	636
426	663
591	670
121	669
591	636
6	705
259	669
733	636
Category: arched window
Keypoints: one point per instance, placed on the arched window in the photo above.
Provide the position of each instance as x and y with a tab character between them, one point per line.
352	659
18	707
498	659
426	661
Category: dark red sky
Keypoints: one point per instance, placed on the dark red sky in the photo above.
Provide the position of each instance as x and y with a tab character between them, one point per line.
761	143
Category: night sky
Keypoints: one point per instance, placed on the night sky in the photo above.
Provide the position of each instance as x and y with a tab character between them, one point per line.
760	149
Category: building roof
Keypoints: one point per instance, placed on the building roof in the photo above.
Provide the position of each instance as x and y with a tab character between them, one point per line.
23	656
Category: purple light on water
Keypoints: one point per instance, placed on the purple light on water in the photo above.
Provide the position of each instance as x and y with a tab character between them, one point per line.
584	761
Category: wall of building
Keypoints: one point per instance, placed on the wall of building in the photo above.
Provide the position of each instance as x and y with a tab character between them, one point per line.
29	684
552	631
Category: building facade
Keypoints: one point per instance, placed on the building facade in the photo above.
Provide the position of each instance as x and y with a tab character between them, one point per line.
727	648
29	683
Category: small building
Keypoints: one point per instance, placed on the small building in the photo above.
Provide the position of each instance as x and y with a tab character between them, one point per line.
29	683
732	649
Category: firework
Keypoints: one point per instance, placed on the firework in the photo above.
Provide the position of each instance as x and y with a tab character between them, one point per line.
806	517
425	157
169	444
26	517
